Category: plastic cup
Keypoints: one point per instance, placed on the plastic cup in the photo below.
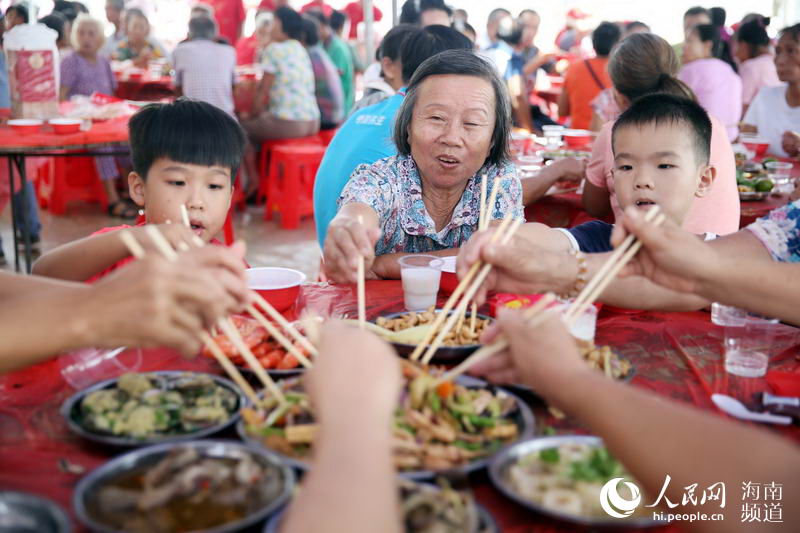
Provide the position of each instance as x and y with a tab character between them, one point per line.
87	366
420	275
747	347
780	172
529	165
553	134
726	315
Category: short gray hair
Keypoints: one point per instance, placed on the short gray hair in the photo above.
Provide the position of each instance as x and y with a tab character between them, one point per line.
202	27
463	63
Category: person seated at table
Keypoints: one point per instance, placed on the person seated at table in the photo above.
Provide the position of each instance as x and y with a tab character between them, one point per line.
85	72
151	302
710	73
16	14
184	153
643	64
774	113
114	11
585	78
340	54
205	69
327	84
249	49
754	53
59	24
389	78
451	130
137	45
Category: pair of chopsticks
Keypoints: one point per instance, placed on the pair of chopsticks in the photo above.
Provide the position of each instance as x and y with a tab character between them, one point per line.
467	287
360	289
600	281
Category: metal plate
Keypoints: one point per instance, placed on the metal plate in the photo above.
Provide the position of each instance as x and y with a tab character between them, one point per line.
445	355
70	410
498	473
21	512
523	417
136	459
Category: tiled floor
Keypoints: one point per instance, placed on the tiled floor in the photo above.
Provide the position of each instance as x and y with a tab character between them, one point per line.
267	244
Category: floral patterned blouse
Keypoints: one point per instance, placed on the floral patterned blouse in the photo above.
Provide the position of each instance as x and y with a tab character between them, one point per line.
779	232
292	95
392	187
124	52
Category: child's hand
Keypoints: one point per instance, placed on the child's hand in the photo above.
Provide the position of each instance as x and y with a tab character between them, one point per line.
179	237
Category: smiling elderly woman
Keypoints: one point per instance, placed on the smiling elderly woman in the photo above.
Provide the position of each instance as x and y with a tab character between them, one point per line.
451	130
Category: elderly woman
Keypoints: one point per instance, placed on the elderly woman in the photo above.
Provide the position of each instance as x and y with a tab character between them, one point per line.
451	130
138	45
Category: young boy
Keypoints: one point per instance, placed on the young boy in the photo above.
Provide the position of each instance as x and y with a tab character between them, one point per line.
184	153
661	150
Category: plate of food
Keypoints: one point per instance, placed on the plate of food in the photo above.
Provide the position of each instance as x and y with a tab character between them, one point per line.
21	512
273	357
407	329
146	408
453	426
562	476
428	508
206	485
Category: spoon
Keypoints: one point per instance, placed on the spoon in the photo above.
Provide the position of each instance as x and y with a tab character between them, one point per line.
735	408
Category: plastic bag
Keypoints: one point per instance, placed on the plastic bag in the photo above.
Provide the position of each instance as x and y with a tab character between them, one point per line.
33	71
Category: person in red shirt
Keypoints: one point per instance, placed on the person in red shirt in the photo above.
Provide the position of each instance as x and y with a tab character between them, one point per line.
355	13
317	5
229	15
185	153
249	48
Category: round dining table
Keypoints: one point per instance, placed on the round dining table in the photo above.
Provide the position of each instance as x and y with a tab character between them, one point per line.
675	355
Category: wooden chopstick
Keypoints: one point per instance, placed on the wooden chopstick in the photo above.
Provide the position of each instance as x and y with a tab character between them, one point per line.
689	362
487	212
533	314
506	234
138	252
448	306
225	325
362	298
603	272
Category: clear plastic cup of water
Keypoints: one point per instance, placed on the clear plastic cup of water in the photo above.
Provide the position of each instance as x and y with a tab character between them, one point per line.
88	366
529	165
553	134
420	275
727	315
780	172
747	346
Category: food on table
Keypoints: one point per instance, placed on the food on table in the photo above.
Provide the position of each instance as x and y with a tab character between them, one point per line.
561	154
602	358
150	405
435	427
568	478
430	509
457	337
186	491
267	350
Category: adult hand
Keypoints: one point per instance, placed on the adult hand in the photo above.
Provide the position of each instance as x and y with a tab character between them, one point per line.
519	266
791	143
356	377
544	357
569	169
157	302
179	236
670	256
348	239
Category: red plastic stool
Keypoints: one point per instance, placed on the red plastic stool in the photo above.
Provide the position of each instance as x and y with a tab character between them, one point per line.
326	136
71	179
264	159
291	182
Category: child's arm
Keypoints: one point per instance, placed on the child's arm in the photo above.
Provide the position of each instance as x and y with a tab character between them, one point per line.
84	258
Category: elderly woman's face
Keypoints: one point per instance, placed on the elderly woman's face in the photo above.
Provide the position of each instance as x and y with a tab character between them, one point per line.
451	128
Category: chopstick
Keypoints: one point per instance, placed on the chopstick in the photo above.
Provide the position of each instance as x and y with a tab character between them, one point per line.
506	232
261	319
362	298
225	325
138	252
618	259
448	306
533	314
688	361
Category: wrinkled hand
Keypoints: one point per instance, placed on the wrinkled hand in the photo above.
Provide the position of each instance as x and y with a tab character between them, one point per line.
791	143
356	374
156	302
670	256
348	239
544	357
519	266
570	169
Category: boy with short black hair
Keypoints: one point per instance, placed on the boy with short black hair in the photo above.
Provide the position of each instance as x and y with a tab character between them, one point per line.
184	153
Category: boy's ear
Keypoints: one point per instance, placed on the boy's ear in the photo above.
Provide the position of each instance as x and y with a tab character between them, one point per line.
136	188
706	181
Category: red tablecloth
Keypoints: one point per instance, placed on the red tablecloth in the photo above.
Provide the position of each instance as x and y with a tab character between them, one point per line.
33	437
109	131
145	88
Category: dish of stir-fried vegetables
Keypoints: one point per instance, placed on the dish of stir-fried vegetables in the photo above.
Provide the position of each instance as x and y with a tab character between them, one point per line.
436	427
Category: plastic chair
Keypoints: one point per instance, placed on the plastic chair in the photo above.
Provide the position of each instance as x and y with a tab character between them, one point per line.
70	179
326	136
290	187
264	159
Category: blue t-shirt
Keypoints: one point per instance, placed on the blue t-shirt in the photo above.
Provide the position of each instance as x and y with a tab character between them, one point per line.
5	100
364	138
593	237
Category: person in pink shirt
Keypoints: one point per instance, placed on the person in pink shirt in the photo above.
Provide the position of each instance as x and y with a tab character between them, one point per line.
644	64
754	52
710	73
